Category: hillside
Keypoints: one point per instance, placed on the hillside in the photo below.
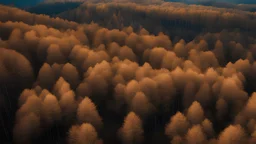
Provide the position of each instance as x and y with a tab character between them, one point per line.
174	19
128	73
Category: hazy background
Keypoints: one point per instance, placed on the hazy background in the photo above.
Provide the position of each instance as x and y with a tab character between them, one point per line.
28	3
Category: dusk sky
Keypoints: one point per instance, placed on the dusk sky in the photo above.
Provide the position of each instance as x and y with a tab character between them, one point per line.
26	3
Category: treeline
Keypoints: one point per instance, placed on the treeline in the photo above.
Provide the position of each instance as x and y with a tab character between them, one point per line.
174	19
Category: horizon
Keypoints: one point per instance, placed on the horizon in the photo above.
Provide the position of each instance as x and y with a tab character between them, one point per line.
31	3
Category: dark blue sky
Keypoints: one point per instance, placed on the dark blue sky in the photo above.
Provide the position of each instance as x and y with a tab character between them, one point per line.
25	3
20	3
